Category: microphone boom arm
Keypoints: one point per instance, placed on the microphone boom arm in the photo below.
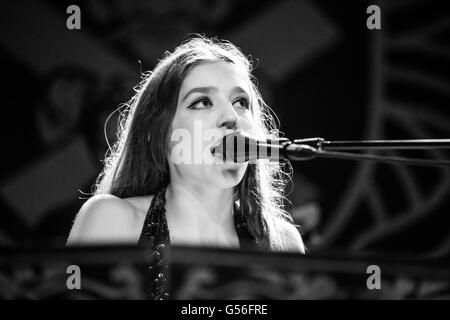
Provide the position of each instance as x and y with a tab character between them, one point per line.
307	149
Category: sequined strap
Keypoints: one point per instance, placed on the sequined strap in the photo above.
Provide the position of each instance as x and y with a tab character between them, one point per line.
246	239
155	238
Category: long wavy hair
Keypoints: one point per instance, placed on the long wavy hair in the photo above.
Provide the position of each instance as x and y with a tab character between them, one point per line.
136	164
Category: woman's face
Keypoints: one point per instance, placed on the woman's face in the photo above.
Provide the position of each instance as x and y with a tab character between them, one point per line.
214	99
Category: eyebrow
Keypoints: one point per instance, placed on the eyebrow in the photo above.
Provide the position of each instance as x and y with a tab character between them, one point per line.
211	90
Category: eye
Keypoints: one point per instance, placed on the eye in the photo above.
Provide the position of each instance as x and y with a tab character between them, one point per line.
201	103
242	103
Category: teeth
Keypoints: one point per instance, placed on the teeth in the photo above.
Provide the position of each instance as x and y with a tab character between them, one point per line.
214	151
213	147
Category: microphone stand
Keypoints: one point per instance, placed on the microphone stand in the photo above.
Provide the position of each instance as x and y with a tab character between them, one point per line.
307	149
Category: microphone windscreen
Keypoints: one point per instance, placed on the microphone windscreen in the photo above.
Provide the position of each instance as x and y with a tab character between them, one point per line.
239	146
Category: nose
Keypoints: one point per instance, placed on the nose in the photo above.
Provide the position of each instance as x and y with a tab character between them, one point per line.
228	117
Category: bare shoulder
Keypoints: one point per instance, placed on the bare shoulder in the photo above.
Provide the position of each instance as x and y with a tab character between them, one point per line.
105	219
140	206
290	236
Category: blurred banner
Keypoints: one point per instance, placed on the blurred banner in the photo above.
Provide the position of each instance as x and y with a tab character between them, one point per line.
212	274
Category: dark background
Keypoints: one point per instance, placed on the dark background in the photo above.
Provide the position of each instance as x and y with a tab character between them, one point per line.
320	69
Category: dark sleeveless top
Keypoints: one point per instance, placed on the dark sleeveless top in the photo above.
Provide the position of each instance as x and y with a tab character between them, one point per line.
156	240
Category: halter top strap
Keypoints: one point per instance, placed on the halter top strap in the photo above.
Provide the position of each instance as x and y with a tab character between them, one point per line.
155	238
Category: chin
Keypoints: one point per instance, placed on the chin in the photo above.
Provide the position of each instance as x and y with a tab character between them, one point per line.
231	174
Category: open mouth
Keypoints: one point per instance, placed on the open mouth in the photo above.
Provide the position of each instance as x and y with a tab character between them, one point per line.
217	148
231	148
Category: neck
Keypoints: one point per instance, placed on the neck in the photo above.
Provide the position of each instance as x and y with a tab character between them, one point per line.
200	204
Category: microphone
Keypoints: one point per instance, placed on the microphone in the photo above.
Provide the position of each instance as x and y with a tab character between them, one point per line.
239	147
